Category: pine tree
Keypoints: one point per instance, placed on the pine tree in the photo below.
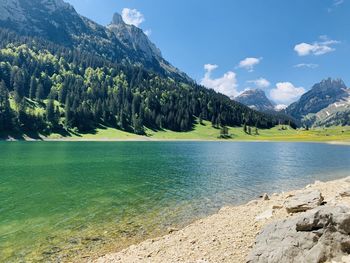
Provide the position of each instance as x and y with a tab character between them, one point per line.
67	113
33	87
245	128
40	92
50	113
5	110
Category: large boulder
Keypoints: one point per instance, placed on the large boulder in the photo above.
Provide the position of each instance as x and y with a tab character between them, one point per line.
303	201
319	235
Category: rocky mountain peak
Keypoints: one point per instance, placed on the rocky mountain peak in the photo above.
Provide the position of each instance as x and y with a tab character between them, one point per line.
324	99
330	84
133	37
255	99
117	19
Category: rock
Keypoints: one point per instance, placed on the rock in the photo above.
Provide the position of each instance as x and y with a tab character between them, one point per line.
172	230
345	193
303	201
277	207
265	197
265	215
319	235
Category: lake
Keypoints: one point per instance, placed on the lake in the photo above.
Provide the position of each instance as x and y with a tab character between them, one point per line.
60	200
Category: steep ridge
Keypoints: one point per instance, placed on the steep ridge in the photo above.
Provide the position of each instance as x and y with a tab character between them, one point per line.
327	103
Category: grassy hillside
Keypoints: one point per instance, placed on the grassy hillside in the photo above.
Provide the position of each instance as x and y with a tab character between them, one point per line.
205	131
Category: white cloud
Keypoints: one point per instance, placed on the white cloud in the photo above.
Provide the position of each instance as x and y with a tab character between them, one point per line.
132	17
286	93
260	83
227	84
249	63
317	48
306	65
337	2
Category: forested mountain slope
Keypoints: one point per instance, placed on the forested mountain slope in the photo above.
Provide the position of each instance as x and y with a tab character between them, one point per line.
87	77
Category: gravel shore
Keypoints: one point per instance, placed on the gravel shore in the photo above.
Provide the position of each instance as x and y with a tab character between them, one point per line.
227	236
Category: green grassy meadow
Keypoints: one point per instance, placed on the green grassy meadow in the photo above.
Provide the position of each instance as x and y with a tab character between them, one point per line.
205	131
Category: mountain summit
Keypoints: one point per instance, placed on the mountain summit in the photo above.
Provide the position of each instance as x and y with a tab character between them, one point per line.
256	99
134	37
327	103
58	22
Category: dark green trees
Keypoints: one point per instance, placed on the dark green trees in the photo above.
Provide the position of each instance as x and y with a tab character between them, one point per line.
93	92
6	121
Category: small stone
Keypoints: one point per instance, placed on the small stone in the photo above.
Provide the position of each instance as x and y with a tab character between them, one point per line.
277	207
266	197
345	193
172	230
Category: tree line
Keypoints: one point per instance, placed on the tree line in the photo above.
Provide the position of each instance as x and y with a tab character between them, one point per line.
47	88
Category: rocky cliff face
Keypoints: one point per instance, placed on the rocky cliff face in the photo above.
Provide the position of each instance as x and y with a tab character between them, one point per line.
133	36
327	103
52	19
57	21
256	99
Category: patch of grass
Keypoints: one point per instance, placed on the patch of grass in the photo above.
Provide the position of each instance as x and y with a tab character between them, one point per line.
206	131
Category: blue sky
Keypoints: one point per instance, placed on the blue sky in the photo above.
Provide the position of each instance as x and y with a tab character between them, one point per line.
282	46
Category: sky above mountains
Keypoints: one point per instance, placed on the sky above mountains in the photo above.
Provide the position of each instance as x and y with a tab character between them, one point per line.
282	47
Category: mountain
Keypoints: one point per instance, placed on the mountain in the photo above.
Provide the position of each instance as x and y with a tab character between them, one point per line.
57	21
327	103
132	36
61	72
256	99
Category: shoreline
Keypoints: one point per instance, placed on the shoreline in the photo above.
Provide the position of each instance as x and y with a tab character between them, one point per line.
224	236
147	139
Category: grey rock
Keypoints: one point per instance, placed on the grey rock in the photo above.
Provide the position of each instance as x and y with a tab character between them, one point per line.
345	193
303	201
319	235
266	197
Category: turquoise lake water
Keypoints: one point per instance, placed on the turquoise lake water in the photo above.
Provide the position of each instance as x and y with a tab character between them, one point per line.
64	200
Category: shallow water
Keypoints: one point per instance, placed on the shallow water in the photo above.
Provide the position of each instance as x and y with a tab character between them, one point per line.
61	199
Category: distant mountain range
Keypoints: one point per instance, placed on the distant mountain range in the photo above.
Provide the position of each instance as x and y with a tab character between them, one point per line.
256	99
326	104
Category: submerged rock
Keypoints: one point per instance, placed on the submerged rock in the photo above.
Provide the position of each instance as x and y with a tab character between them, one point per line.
319	235
303	201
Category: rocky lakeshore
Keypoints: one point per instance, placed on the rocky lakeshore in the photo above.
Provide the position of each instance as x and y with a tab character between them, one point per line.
307	225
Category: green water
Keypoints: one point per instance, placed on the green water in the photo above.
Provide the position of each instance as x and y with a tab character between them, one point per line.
64	200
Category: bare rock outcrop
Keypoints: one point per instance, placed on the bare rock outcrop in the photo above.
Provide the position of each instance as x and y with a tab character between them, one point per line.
319	235
303	201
